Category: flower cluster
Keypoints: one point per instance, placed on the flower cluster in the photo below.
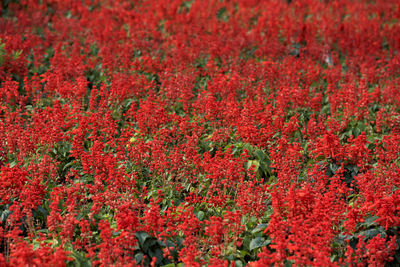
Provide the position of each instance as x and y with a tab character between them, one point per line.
199	132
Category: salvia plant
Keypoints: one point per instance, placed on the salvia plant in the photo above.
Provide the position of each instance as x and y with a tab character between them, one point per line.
200	133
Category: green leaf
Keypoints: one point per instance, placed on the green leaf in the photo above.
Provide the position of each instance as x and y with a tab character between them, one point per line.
78	259
371	233
13	163
259	228
249	163
4	215
158	254
68	165
260	155
142	236
333	167
356	132
222	14
150	242
16	54
200	215
139	257
2	53
243	253
258	242
370	221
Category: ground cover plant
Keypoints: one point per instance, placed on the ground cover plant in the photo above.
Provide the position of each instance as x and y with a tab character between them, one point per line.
200	132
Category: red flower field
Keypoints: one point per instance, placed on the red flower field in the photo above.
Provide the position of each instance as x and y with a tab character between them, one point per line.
200	133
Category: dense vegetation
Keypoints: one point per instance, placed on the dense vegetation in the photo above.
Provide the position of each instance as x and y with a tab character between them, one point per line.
200	132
